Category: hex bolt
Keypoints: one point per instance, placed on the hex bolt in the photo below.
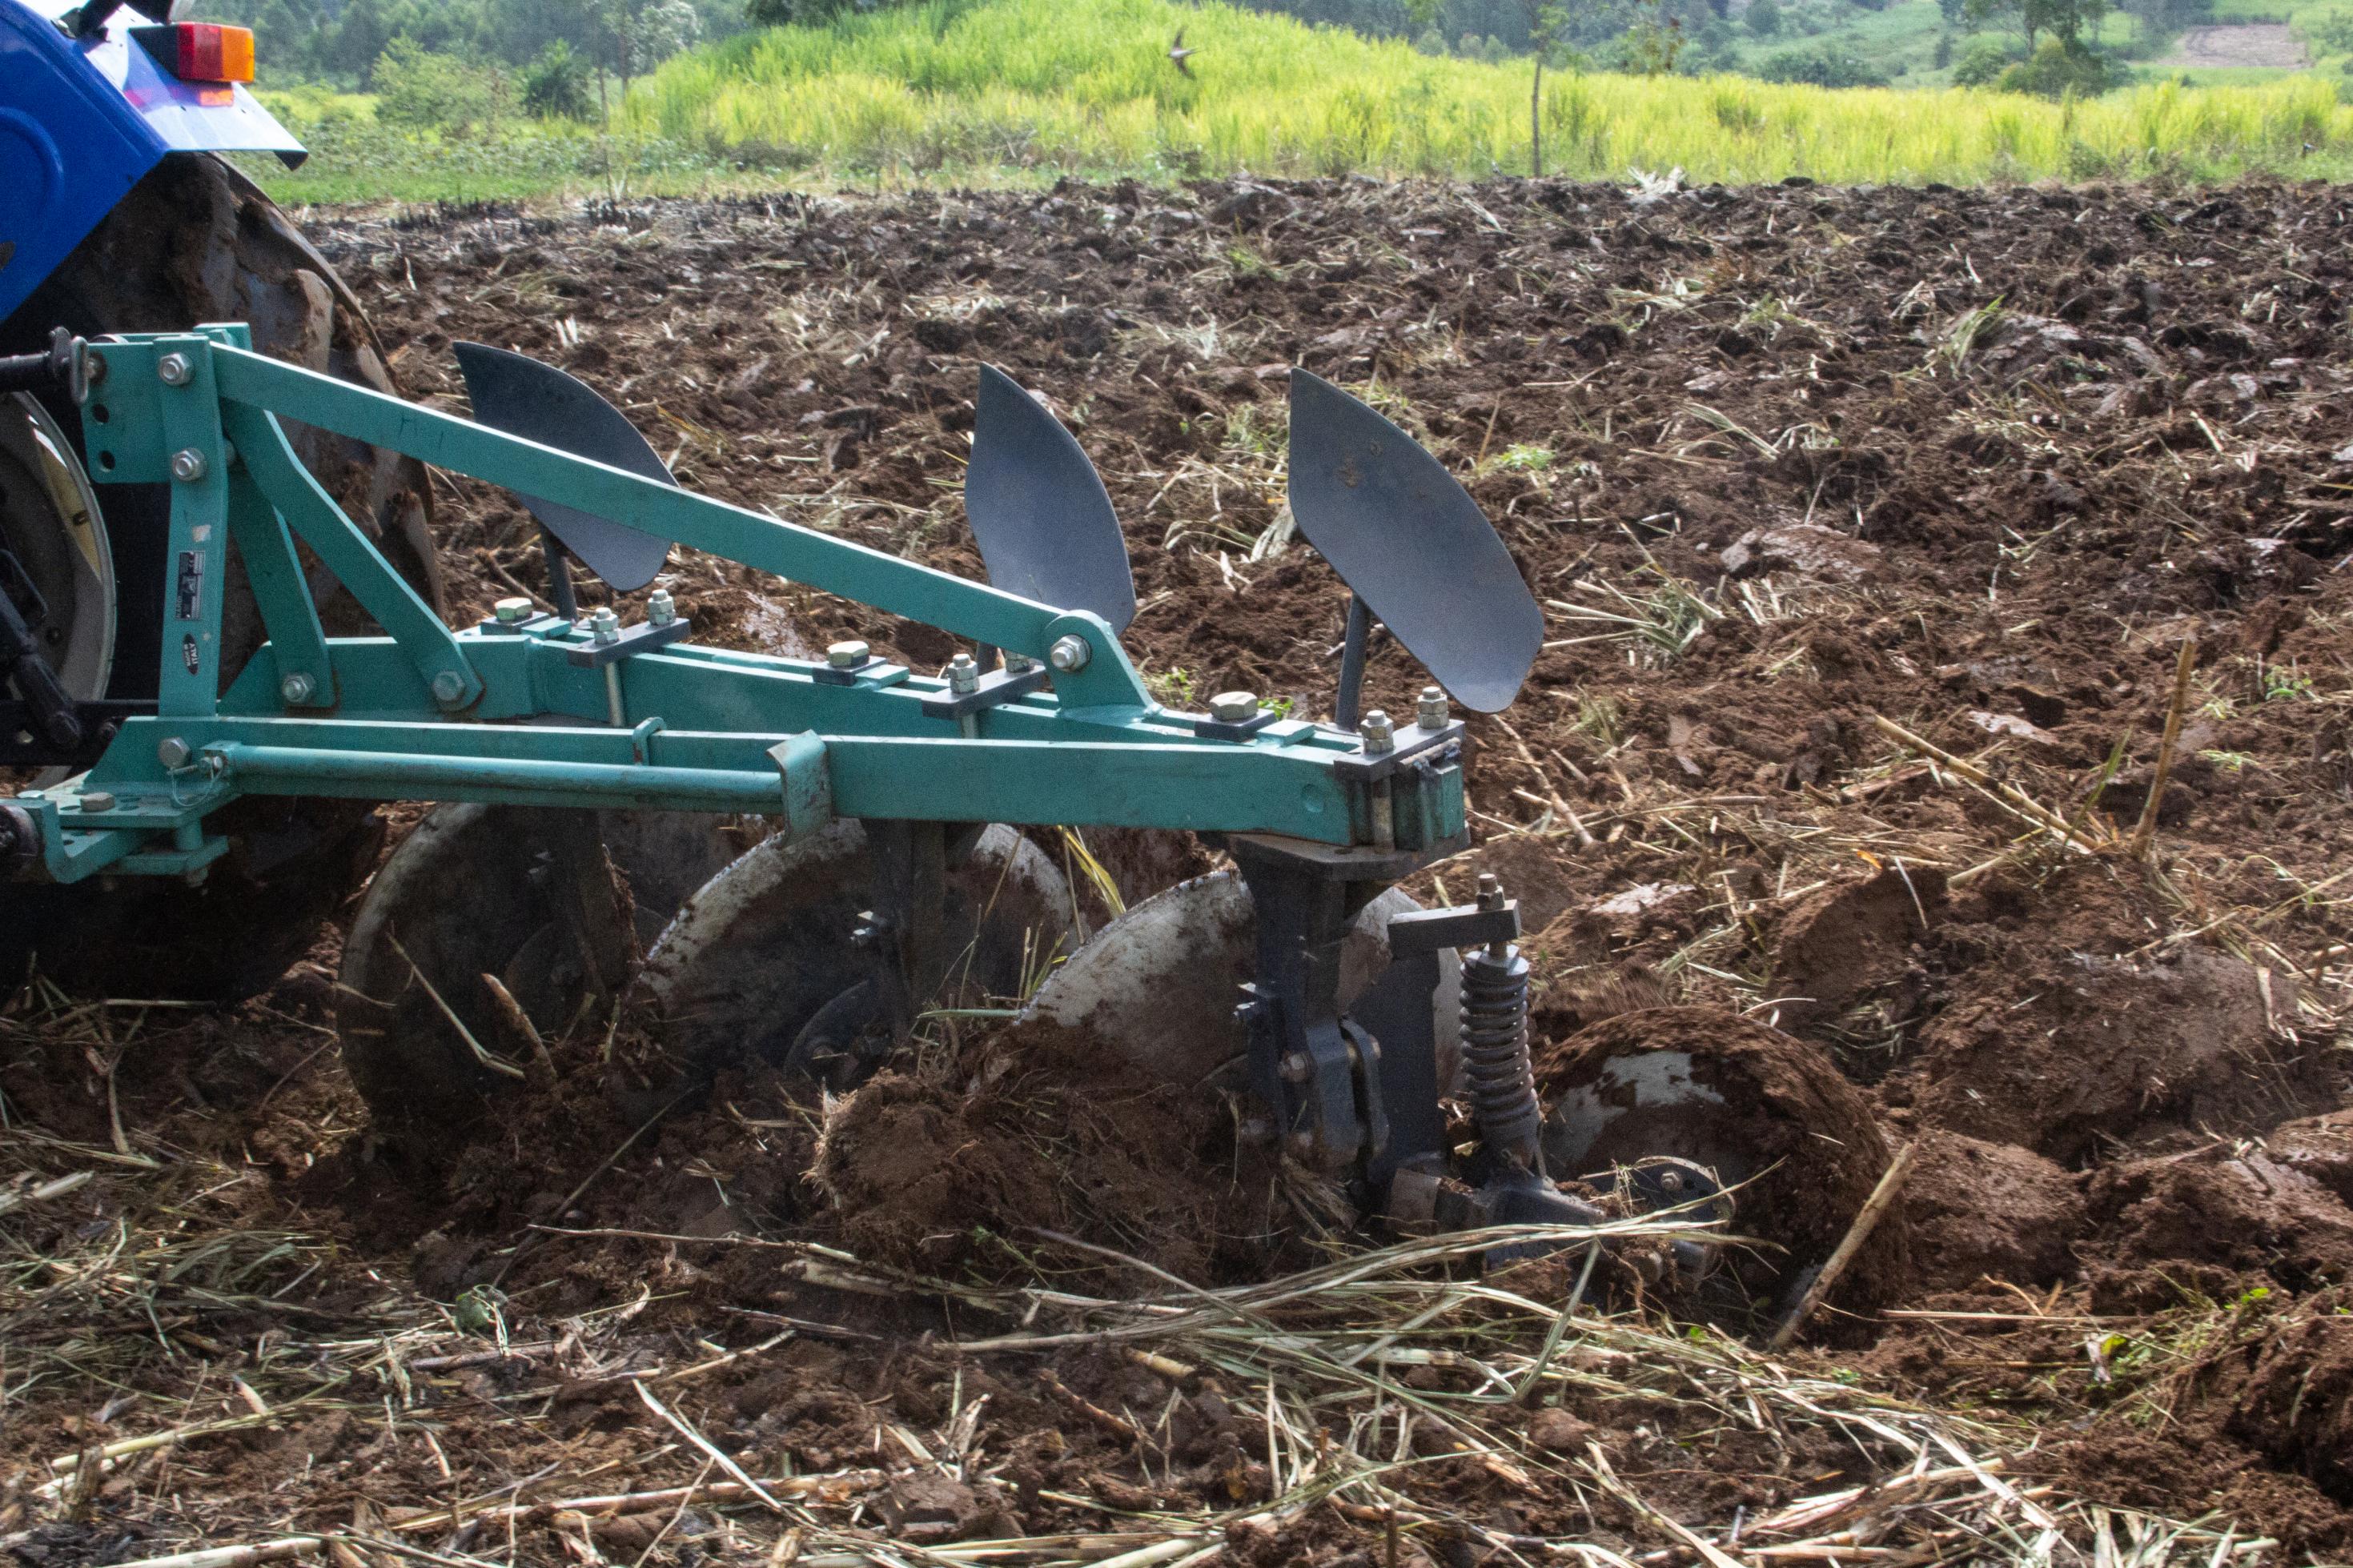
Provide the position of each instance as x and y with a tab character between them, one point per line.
1019	664
172	753
604	626
93	367
1376	733
297	690
510	611
1234	707
660	608
1070	654
1430	710
188	466
964	675
1491	890
1295	1067
174	370
448	688
847	655
97	800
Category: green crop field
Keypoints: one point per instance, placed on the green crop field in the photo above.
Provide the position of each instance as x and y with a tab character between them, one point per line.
1025	90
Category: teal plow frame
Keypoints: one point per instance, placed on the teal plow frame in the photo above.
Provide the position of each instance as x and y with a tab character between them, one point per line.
516	714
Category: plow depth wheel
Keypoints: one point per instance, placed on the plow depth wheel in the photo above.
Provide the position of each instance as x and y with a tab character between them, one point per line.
1768	1114
783	955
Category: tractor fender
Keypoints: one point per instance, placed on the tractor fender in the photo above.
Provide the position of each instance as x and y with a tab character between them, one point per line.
83	120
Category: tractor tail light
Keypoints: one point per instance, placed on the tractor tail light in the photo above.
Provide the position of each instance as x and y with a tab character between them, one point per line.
205	51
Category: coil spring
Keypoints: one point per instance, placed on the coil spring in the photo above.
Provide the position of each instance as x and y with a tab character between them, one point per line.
1496	1066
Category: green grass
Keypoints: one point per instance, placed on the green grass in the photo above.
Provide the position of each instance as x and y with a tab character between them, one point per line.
1022	91
1047	84
354	160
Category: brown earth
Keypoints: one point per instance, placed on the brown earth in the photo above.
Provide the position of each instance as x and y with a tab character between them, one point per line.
1973	462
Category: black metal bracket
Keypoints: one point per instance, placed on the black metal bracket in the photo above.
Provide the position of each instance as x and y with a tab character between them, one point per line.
1460	926
997	687
643	637
1210	729
833	675
65	367
1412	744
100	723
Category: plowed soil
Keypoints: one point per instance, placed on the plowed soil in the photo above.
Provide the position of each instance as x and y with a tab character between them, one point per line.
1805	478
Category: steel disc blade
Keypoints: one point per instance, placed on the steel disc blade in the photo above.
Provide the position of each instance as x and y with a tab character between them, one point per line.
521	396
1411	543
1045	523
1159	984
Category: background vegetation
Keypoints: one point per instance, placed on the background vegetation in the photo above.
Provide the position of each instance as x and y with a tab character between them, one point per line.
499	98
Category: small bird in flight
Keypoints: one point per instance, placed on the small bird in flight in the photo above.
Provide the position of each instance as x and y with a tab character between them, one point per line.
1179	54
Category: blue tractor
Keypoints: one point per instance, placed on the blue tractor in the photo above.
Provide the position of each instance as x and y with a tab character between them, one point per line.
117	215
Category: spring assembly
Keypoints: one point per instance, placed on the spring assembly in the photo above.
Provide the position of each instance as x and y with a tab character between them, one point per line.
1495	1064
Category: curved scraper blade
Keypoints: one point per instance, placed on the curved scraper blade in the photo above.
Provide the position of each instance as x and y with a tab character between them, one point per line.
1045	524
518	395
1412	544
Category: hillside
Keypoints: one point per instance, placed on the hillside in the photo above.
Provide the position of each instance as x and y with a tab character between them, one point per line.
1042	85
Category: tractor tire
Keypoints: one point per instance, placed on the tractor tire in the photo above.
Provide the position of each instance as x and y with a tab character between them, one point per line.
196	242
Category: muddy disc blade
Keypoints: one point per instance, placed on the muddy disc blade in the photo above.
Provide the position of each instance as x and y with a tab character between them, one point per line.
1159	984
1412	544
1045	523
518	395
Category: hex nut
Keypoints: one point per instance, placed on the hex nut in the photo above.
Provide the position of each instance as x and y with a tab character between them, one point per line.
964	675
1234	707
1376	733
188	466
172	752
660	608
297	690
604	626
1070	654
847	655
174	370
510	611
1431	712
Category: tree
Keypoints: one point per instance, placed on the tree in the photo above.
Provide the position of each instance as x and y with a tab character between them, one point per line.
1764	17
2066	20
418	87
555	84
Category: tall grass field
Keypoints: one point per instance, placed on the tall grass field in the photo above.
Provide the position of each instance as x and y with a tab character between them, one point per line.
967	86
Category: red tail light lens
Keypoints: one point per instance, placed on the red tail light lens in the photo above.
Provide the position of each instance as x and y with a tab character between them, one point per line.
205	51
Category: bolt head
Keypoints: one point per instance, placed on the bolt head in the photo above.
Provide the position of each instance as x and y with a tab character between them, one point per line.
847	655
1376	733
172	752
188	466
1295	1067
97	800
660	608
297	690
1019	664
1429	711
448	687
604	626
1234	707
964	675
1070	654
93	367
174	370
510	611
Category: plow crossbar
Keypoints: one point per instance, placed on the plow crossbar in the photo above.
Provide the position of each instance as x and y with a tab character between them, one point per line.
541	713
